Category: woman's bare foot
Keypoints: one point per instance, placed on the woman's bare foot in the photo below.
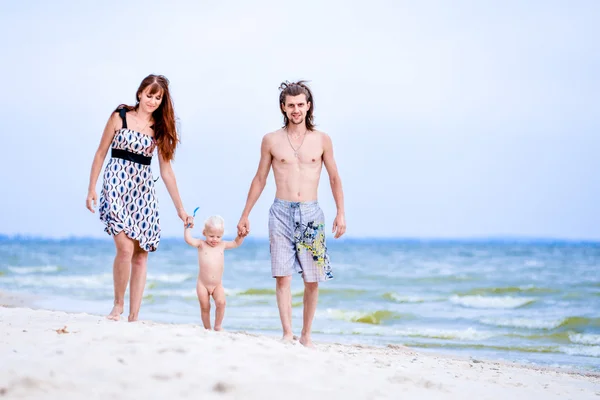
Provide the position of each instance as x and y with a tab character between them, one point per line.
116	312
306	342
288	338
218	328
132	318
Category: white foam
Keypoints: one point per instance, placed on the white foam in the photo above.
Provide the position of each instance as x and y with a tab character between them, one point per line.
413	299
504	302
527	323
585	338
170	278
172	292
464	334
589	351
61	281
33	270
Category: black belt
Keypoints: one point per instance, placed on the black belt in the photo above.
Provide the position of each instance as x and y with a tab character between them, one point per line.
133	157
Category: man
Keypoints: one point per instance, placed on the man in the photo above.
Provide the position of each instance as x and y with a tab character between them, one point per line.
296	222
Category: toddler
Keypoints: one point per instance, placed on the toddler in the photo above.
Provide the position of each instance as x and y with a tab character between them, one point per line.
211	261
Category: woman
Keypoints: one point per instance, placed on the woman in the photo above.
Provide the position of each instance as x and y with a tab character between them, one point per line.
128	204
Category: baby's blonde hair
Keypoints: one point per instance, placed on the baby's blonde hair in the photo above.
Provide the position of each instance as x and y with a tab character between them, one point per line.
216	221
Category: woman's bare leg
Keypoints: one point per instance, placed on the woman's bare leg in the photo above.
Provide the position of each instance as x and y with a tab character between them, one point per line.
121	269
139	263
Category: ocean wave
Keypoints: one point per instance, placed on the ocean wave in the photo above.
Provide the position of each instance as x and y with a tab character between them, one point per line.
523	349
588	351
505	290
469	334
409	299
505	302
565	323
103	281
171	278
447	334
343	293
34	270
183	293
584	338
253	292
577	323
375	317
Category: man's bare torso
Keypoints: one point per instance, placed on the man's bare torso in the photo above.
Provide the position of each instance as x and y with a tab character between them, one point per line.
296	178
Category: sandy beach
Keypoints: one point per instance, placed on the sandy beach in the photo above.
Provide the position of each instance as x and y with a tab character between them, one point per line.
53	354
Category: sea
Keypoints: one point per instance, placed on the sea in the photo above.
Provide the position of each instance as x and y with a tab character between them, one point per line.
528	301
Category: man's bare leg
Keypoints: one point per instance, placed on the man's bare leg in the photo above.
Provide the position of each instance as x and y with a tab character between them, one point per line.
311	298
284	303
121	270
219	296
138	281
204	299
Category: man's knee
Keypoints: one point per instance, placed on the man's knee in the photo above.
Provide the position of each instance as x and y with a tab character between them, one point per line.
311	286
283	282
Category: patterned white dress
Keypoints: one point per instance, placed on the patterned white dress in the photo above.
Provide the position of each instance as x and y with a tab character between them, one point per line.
128	201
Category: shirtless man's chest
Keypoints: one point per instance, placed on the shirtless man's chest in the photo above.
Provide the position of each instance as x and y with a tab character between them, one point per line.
297	165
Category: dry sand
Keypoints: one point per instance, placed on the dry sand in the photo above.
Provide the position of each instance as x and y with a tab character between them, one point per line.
56	355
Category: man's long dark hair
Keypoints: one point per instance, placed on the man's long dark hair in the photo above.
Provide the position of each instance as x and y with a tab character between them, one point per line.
295	89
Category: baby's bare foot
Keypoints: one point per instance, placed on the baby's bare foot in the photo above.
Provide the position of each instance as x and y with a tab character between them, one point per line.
115	314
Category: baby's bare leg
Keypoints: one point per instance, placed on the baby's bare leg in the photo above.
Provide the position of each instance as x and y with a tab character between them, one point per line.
204	300
219	296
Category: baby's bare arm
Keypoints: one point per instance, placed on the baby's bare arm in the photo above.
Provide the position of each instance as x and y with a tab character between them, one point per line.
187	234
235	243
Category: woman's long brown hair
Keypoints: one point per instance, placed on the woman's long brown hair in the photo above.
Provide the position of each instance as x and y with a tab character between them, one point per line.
165	131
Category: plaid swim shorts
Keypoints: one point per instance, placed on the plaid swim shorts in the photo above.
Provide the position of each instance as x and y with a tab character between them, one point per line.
297	240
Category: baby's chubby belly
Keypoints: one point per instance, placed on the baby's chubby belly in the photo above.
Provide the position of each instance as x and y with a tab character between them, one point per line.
210	274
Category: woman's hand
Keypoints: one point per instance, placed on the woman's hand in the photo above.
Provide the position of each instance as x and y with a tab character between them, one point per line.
91	201
187	219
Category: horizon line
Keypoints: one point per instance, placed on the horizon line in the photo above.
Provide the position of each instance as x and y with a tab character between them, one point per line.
488	238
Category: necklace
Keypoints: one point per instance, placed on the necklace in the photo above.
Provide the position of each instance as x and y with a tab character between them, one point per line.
147	122
292	146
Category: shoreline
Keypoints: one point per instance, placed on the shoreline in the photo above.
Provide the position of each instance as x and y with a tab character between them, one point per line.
43	352
10	299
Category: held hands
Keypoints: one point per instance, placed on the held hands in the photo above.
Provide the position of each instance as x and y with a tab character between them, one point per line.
339	225
188	221
91	198
243	227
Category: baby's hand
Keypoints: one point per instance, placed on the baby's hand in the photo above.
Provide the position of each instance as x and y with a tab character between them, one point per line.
189	222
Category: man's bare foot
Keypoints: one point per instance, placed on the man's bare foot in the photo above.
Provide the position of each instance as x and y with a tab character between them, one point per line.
306	342
115	314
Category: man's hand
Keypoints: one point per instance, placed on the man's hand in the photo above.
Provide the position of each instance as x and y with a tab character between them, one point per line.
339	225
243	226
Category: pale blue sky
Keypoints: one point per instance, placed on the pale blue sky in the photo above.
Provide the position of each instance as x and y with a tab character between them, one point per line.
448	118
